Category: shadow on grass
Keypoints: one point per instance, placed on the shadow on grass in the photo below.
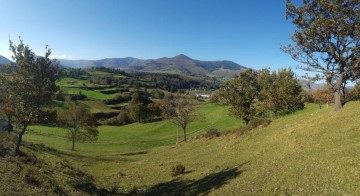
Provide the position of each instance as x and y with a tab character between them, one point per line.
53	151
5	143
194	187
134	153
4	150
80	180
63	154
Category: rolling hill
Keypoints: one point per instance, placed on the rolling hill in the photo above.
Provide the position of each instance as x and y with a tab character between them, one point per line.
180	64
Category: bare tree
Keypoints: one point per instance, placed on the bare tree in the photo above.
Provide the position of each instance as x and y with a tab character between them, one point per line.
180	111
80	123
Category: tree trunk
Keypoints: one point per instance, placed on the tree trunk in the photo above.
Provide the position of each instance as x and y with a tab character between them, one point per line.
184	130
9	127
177	135
247	120
73	143
17	149
337	99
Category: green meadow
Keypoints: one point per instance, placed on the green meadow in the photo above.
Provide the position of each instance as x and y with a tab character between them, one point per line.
139	136
311	152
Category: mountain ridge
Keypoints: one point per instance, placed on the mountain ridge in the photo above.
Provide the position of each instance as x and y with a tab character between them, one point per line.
180	64
4	60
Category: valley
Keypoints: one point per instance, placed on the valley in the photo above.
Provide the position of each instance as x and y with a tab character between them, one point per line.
188	98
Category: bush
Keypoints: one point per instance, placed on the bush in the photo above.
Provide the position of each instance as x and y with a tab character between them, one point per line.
259	122
121	98
109	121
76	97
211	133
253	124
123	118
214	98
178	169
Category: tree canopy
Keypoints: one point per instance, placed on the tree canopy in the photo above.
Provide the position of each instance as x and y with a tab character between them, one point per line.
262	93
241	93
327	41
80	123
180	111
31	88
280	91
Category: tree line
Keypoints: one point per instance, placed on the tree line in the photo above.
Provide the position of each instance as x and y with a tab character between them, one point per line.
262	93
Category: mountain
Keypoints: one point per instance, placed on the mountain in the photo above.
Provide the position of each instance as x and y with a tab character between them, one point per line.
4	60
6	66
180	64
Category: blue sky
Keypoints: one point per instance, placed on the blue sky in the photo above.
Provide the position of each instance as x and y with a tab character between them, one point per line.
247	32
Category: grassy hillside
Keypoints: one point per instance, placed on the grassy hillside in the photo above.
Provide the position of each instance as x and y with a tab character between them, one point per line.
312	152
138	136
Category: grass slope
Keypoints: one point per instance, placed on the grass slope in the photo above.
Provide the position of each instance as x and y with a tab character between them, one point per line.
75	86
138	136
312	152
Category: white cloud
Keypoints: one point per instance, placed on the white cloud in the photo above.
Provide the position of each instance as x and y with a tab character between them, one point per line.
62	56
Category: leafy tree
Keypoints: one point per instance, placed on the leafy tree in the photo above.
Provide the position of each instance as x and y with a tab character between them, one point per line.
123	118
154	110
321	96
240	93
180	111
138	112
31	88
9	112
353	94
357	90
140	97
214	98
138	106
327	41
280	91
80	123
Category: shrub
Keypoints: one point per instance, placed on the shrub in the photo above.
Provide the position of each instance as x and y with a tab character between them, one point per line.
120	98
259	122
214	98
178	169
211	133
253	124
109	121
76	97
123	118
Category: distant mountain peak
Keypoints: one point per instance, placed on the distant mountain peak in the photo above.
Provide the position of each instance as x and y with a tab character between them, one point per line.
181	64
183	56
4	60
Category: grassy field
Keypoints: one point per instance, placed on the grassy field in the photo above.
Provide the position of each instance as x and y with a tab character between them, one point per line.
91	94
98	106
105	74
72	82
75	86
140	136
311	152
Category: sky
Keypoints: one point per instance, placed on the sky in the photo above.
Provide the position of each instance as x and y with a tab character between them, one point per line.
248	32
